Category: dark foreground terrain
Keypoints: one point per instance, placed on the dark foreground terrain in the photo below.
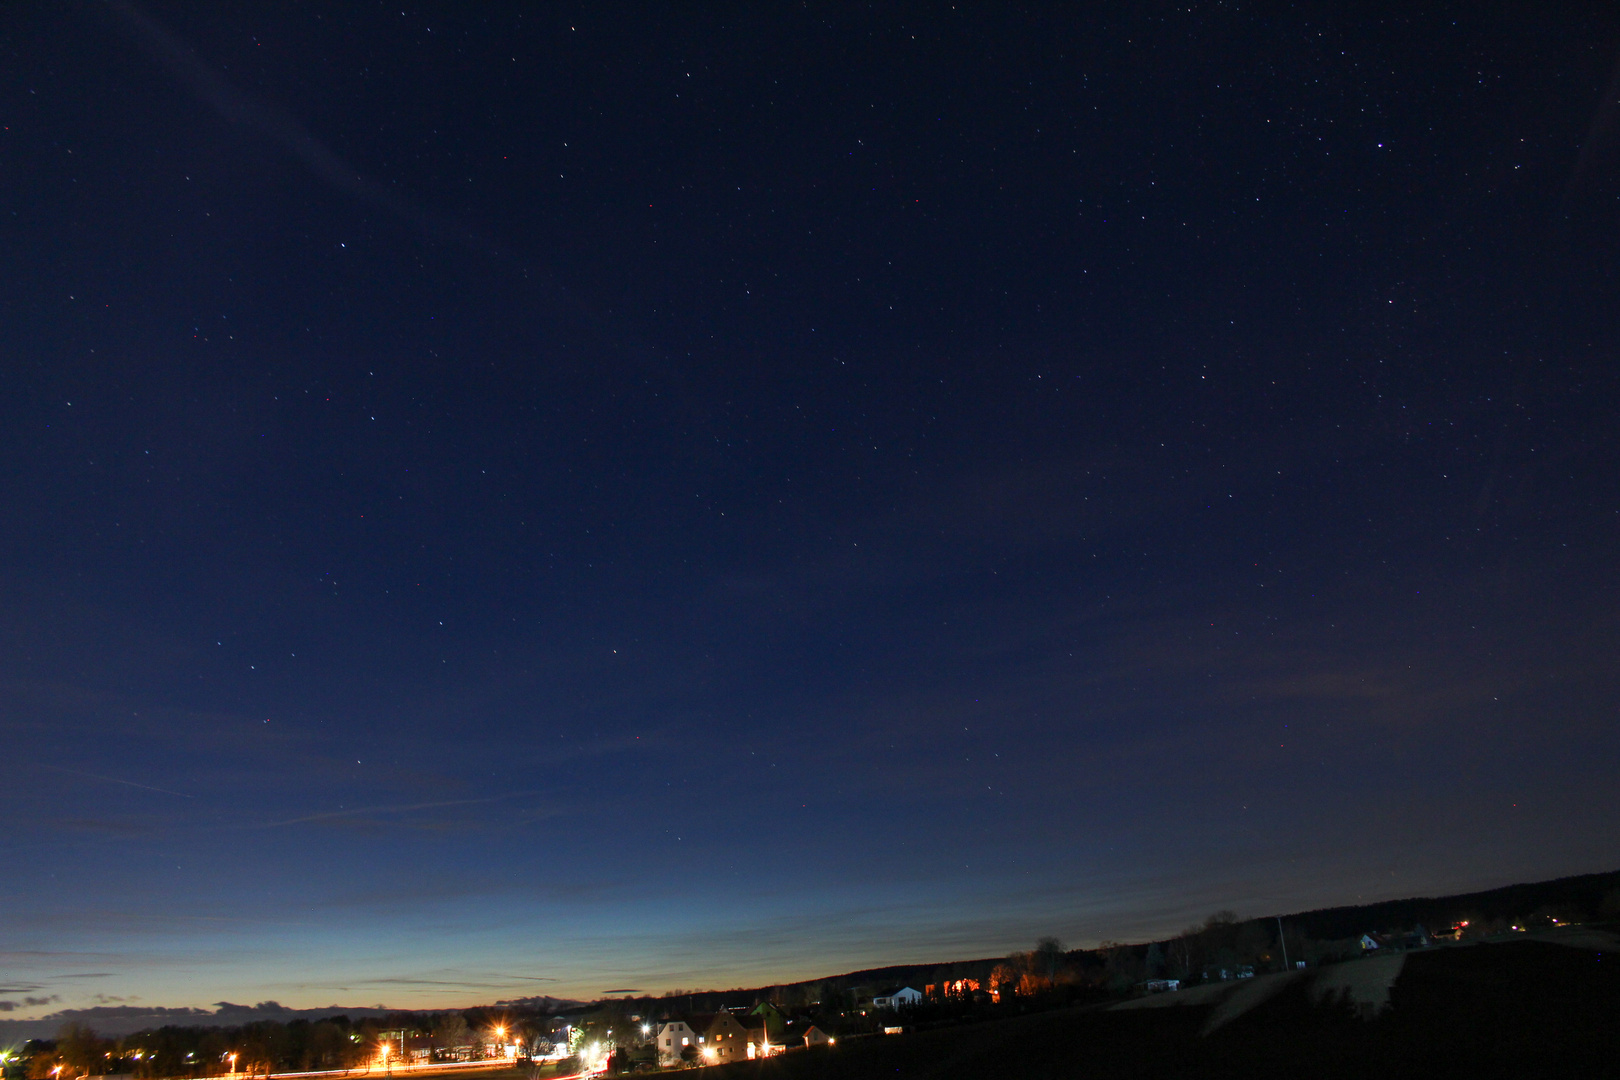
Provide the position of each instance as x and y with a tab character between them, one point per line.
1520	1008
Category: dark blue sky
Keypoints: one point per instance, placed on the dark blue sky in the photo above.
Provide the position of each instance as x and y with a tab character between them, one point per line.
542	501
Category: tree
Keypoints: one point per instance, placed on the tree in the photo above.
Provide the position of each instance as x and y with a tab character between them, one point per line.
327	1047
1003	979
1123	965
1185	954
1214	942
1155	962
1030	984
1046	958
41	1061
451	1031
78	1048
835	999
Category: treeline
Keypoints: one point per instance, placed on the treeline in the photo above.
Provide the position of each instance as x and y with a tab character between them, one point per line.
263	1047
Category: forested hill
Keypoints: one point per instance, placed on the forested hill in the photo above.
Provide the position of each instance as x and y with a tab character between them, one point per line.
1573	899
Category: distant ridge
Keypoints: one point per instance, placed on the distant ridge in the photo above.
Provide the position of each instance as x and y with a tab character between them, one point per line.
1583	894
1581	897
120	1020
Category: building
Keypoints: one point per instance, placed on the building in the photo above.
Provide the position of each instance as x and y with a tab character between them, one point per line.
773	1018
672	1038
897	998
1412	939
726	1039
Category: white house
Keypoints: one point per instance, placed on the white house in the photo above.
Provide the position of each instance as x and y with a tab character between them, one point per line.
899	997
672	1038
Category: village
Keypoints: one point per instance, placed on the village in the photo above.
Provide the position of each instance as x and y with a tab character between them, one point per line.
1351	955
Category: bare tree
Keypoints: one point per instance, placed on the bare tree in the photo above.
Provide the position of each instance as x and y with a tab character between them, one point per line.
1047	956
451	1031
1003	979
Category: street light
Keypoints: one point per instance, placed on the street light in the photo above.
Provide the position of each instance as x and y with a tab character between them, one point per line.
233	1063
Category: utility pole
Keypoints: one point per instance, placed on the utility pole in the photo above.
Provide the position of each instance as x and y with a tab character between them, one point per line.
1283	942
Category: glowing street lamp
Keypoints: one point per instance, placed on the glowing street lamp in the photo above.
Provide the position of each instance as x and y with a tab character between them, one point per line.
233	1063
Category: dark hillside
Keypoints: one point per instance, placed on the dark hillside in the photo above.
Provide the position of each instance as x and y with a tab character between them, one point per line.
1587	897
1516	1009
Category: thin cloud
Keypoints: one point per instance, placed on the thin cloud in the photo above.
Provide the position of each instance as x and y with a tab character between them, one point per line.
240	108
113	780
361	812
8	1005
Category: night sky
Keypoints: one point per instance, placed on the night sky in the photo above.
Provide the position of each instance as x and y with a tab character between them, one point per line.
548	500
